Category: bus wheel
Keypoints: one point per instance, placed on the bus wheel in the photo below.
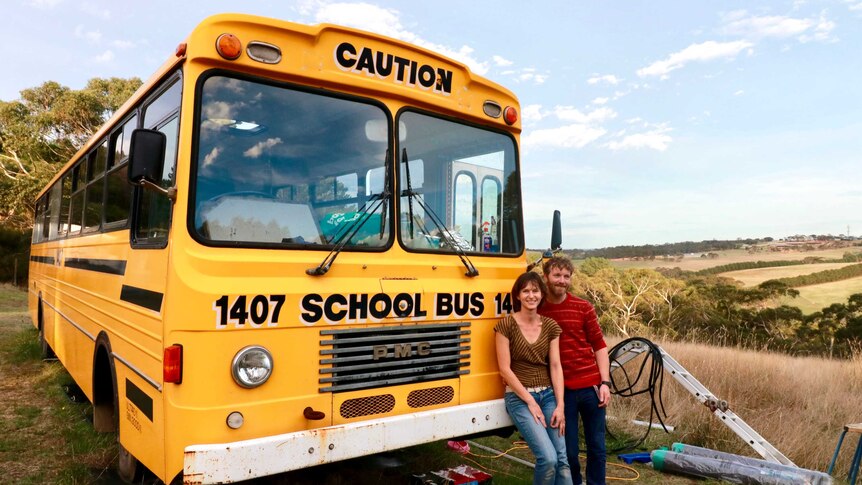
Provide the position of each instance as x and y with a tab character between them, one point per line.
128	467
45	349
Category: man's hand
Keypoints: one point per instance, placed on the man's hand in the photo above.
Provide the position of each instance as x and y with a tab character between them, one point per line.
604	395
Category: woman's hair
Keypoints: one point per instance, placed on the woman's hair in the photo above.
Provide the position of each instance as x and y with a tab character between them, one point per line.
522	282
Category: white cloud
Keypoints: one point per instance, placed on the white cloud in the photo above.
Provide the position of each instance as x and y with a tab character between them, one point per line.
96	11
92	37
123	44
854	7
600	101
569	136
532	113
386	21
656	139
530	75
703	52
607	78
620	94
766	26
739	93
569	113
104	57
45	4
822	32
501	61
739	23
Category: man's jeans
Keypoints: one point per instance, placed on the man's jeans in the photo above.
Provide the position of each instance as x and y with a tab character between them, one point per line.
549	448
586	403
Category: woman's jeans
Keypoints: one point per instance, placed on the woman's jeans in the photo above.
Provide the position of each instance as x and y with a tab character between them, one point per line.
552	466
586	403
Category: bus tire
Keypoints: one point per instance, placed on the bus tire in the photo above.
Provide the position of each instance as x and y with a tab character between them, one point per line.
106	408
128	467
45	350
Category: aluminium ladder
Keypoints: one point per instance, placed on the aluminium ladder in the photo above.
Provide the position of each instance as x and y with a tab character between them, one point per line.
719	407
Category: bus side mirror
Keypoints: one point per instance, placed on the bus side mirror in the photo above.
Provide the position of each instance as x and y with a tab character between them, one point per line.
556	233
146	157
147	160
556	242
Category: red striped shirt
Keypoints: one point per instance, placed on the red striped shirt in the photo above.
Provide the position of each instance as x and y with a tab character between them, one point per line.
580	339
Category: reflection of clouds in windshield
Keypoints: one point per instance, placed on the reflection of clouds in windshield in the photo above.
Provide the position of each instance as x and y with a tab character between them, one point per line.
218	110
235	86
258	149
210	157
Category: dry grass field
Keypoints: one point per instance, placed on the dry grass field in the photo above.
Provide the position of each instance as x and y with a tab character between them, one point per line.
693	262
753	277
798	404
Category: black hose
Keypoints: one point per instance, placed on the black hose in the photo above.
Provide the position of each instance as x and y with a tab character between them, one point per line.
633	387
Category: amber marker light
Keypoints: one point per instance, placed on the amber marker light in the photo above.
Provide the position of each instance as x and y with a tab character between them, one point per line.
229	46
510	114
173	364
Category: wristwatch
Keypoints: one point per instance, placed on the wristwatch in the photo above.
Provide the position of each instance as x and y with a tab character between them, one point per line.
606	383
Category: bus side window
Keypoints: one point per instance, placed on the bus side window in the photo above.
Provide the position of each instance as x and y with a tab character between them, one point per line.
119	193
152	209
76	206
66	197
95	188
38	220
53	218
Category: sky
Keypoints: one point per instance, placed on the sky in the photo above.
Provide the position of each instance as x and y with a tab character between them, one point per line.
644	122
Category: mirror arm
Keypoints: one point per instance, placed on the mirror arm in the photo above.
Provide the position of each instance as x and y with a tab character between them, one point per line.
170	193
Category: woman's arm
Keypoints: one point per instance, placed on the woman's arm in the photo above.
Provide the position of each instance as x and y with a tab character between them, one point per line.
504	361
558	419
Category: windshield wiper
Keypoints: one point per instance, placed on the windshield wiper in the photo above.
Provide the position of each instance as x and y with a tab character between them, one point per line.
342	238
409	189
444	232
346	234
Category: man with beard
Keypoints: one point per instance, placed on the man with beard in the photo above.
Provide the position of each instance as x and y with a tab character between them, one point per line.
586	369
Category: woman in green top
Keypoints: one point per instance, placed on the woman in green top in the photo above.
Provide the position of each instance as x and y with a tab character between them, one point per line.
528	355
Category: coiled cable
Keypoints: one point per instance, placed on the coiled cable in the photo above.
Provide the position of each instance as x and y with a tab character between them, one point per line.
652	369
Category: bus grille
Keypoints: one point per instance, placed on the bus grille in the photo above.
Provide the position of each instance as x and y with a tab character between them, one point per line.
366	406
367	358
429	397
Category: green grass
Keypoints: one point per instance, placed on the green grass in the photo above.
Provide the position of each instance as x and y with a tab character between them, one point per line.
12	299
816	297
44	437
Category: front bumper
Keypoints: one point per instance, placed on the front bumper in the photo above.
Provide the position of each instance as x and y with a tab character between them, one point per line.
244	460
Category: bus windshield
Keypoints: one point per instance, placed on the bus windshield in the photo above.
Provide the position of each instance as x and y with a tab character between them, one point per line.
286	167
458	187
277	166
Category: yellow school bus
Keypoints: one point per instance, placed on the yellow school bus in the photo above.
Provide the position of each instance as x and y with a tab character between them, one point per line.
288	248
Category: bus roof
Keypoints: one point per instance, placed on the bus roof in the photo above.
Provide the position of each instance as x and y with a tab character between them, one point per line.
330	56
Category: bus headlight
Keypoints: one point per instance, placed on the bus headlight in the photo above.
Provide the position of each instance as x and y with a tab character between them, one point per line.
252	366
